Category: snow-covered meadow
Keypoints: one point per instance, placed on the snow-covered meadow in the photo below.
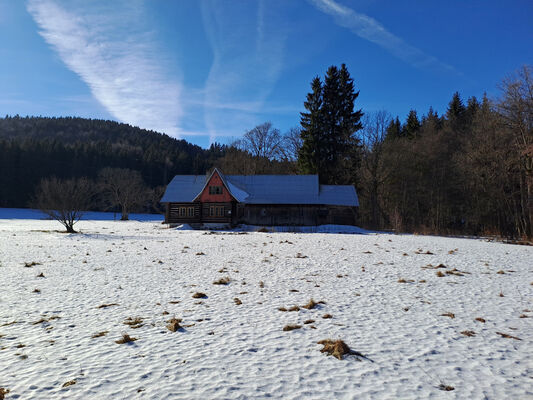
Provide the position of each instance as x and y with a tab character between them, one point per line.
429	313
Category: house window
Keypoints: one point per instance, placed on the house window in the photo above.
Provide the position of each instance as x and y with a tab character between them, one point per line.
215	189
216	211
182	211
190	211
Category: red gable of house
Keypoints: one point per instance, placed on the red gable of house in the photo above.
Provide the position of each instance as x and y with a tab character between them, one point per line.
210	192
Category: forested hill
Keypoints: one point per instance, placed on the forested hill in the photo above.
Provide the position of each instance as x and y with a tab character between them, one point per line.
32	148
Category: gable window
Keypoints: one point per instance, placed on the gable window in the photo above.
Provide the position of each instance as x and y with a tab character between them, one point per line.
215	189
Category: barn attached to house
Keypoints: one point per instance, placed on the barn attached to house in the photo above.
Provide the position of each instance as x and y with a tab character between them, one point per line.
266	200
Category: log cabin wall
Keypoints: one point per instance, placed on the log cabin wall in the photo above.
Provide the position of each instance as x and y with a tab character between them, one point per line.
183	213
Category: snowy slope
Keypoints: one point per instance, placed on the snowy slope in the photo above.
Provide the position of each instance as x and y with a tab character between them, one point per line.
383	304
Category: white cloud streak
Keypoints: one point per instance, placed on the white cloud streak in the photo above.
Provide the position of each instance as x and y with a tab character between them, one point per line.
118	63
368	28
248	59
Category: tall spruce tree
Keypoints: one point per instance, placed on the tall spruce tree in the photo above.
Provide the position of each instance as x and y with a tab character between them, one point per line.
330	147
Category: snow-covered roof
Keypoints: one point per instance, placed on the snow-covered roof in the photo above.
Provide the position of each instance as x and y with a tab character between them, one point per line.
265	189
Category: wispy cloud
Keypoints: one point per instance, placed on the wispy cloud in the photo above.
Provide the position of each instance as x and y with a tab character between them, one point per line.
120	64
248	59
368	28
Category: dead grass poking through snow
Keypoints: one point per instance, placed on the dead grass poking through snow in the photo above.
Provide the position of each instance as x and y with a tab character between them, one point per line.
3	393
134	323
173	324
199	295
446	388
309	321
479	319
337	349
440	274
107	305
288	328
222	281
69	383
237	301
507	336
448	314
99	334
311	304
327	316
468	333
125	339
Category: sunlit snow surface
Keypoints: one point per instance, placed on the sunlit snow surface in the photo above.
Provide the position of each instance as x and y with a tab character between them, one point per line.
232	351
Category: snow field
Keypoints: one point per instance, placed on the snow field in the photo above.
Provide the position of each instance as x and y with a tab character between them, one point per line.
382	302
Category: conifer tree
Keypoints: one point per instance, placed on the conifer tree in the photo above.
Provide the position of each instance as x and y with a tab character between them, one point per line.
412	125
330	147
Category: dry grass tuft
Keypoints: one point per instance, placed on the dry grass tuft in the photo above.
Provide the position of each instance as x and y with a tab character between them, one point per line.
479	319
237	301
501	294
200	253
294	308
293	290
41	275
125	339
288	328
69	383
440	274
309	321
455	272
222	281
282	309
468	333
507	336
31	264
312	304
36	290
173	324
336	348
99	334
300	255
446	388
107	305
134	322
500	272
523	316
261	284
199	295
3	392
327	316
448	314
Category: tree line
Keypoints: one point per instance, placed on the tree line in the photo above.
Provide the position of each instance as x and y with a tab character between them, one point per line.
467	171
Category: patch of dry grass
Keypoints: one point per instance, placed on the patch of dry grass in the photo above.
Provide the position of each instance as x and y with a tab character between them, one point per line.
440	274
507	336
300	255
41	275
43	319
107	305
200	253
69	383
99	334
237	301
337	348
294	308
125	339
309	321
446	388
479	319
500	272
3	392
199	295
312	304
173	324
288	328
134	323
448	314
222	281
31	264
468	333
327	316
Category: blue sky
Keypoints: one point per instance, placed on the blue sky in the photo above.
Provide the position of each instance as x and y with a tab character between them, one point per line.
208	71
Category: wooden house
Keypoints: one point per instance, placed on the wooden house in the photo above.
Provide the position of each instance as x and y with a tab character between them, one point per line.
267	200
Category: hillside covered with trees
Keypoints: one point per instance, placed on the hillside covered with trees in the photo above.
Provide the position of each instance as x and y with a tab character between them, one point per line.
466	171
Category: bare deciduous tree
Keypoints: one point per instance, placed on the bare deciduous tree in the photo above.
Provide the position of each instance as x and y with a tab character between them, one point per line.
124	188
65	200
373	170
516	108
